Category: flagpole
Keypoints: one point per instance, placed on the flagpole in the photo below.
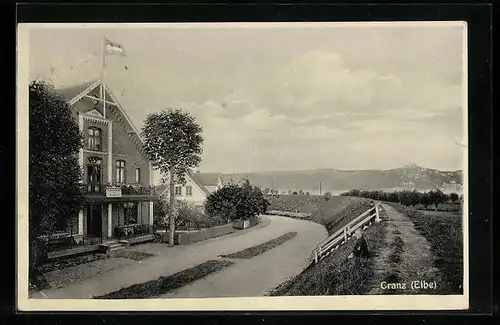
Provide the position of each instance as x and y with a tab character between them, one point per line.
103	68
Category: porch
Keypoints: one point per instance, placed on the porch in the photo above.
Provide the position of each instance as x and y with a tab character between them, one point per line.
100	223
63	244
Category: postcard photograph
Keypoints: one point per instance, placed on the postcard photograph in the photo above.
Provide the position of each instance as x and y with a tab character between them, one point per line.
242	166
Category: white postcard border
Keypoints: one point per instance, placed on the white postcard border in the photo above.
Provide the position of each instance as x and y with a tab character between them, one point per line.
389	302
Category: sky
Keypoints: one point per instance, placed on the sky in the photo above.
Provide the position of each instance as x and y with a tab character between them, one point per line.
283	97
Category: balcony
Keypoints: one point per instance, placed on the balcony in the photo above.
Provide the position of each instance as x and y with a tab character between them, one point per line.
119	192
126	189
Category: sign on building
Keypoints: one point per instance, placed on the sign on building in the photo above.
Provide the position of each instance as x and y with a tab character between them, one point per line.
113	192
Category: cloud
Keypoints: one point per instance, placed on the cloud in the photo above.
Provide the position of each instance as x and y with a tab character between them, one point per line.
318	81
284	99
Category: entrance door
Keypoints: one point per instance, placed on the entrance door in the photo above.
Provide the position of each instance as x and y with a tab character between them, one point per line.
94	220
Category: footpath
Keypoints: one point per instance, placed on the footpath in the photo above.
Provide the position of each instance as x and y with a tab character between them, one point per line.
244	278
405	257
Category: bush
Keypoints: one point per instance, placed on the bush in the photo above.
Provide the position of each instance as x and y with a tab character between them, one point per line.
161	210
235	201
189	214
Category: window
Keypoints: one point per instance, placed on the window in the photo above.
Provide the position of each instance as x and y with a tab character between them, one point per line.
189	191
120	171
178	190
94	139
130	213
137	175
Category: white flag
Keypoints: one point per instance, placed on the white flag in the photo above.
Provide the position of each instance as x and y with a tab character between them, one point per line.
114	48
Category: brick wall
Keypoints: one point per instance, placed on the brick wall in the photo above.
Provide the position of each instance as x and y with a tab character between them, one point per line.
125	149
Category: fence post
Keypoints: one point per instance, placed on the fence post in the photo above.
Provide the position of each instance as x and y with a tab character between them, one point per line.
345	234
377	212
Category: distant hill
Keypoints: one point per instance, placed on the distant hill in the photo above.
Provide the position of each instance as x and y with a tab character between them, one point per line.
337	181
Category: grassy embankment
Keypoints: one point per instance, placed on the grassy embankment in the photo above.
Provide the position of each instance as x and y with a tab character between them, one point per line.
442	207
333	212
444	233
336	274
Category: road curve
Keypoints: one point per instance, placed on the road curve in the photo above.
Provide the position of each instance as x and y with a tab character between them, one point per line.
255	276
245	278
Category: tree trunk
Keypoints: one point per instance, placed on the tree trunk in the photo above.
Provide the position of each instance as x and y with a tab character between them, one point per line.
172	208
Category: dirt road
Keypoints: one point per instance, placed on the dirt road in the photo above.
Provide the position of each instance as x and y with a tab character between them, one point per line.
406	258
255	276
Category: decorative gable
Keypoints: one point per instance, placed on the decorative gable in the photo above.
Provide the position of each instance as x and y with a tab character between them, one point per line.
91	93
95	113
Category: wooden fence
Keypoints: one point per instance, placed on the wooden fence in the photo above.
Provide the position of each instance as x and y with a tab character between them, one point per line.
334	241
343	234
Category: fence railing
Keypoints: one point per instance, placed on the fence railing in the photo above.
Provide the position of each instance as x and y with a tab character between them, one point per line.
340	236
133	230
68	239
126	189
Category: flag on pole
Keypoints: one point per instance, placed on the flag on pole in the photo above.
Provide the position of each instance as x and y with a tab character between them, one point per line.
113	48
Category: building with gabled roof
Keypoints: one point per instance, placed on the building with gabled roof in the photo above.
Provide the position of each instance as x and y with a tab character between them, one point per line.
196	188
117	175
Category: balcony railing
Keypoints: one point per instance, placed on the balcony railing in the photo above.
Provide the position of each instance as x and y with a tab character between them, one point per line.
126	189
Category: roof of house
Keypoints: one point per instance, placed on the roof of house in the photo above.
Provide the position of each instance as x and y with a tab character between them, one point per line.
68	93
207	179
73	93
193	177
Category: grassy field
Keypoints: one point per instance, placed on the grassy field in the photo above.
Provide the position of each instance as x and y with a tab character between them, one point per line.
441	214
444	234
337	275
444	207
322	211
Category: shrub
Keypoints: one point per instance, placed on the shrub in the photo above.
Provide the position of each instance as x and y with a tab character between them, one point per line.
235	201
161	212
453	197
190	214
